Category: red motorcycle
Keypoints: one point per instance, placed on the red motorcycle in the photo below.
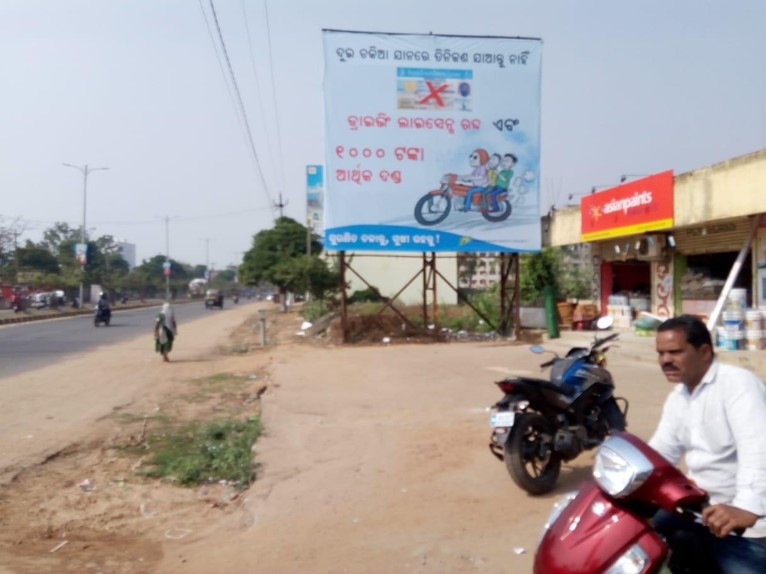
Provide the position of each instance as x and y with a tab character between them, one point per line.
605	526
435	206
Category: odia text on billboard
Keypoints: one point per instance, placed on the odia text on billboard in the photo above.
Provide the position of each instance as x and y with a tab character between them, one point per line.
432	142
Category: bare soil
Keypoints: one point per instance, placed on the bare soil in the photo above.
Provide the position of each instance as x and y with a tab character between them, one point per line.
374	456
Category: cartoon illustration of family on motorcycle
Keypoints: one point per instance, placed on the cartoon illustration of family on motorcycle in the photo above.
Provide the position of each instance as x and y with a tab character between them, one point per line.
485	190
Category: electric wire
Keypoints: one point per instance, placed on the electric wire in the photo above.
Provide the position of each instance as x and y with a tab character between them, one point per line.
259	95
216	50
280	156
241	103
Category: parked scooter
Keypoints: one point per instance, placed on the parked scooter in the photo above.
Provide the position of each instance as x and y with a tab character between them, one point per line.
605	526
539	424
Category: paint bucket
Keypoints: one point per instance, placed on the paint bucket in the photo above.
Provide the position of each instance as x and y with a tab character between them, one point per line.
734	340
720	336
734	320
737	299
753	320
753	340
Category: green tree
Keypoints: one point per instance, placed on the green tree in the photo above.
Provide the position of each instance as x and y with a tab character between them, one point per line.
33	257
148	279
279	256
537	271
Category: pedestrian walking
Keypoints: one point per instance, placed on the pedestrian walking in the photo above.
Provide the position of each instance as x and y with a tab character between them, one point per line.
165	331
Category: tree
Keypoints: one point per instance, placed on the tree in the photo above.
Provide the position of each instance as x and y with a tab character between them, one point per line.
9	234
279	256
539	270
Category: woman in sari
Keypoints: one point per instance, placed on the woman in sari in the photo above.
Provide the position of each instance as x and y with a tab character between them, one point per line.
165	331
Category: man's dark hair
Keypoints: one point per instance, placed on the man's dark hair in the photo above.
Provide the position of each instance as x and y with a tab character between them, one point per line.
694	329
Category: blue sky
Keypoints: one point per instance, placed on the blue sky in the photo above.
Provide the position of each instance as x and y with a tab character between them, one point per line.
135	85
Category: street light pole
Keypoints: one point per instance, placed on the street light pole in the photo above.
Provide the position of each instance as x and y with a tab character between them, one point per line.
207	256
166	266
167	258
85	171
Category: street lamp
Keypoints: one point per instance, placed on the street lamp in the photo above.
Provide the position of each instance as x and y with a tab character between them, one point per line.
167	266
85	171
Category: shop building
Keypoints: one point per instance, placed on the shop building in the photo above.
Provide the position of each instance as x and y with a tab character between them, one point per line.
668	244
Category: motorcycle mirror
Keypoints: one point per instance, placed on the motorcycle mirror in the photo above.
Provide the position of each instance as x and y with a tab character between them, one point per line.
604	322
537	349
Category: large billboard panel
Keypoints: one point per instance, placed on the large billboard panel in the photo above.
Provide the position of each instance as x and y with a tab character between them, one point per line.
432	142
638	206
315	199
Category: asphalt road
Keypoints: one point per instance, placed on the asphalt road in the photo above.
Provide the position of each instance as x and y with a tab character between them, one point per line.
25	346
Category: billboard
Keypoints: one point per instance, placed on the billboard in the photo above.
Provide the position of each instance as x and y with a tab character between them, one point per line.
638	206
315	199
432	143
81	253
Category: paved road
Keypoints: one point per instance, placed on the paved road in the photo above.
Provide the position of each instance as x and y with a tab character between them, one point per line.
26	346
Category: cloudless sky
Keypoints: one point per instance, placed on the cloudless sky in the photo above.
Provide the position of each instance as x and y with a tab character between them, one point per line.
142	87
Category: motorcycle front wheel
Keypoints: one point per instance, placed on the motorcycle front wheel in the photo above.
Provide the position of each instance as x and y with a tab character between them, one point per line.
529	455
432	209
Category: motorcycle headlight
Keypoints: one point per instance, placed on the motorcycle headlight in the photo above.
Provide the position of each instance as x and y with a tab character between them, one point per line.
558	507
619	467
632	562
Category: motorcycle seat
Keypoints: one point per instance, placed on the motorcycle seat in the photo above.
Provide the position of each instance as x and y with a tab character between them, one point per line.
544	384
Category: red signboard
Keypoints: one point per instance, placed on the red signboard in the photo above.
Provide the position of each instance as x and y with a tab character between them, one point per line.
637	206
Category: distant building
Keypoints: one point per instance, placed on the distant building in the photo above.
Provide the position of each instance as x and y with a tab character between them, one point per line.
128	253
478	270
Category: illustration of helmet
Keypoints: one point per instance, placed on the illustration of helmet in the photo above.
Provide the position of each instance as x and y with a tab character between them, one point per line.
479	156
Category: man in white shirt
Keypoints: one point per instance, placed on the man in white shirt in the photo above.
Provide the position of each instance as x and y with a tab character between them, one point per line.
716	419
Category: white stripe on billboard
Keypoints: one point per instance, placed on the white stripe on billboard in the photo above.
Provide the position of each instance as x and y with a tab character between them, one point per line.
432	142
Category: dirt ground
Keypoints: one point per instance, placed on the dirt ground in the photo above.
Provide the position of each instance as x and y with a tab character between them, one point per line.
373	457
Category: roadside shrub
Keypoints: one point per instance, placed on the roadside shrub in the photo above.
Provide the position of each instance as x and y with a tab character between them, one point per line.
197	454
314	309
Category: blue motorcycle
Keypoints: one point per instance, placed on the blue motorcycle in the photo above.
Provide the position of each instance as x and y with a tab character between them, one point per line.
538	424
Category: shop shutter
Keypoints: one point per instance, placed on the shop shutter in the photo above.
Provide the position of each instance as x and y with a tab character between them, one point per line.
714	237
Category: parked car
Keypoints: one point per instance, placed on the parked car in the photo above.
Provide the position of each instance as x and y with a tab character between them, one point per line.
213	298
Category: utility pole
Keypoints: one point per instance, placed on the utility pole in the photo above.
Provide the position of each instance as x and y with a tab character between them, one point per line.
84	256
281	205
207	256
16	256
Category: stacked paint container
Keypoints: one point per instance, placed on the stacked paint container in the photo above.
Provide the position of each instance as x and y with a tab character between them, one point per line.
753	330
743	327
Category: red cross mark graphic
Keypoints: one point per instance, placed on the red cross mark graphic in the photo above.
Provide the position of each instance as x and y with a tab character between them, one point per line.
433	92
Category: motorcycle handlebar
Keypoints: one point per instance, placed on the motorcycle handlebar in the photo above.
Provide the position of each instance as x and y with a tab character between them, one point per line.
547	364
598	342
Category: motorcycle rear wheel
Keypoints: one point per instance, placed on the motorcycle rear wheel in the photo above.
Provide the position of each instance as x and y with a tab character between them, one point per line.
529	455
503	212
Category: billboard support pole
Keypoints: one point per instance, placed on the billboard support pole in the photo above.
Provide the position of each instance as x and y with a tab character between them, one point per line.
429	284
343	306
509	305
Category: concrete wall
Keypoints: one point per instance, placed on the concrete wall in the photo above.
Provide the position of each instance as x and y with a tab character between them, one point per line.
389	273
732	188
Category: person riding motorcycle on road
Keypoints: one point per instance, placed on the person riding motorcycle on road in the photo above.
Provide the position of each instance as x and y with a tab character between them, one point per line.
716	420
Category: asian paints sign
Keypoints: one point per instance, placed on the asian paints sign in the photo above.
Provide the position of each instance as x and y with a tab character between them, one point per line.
432	142
638	206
